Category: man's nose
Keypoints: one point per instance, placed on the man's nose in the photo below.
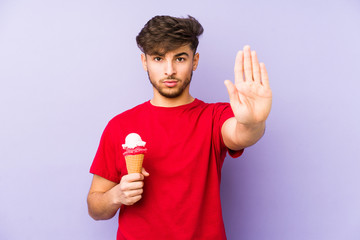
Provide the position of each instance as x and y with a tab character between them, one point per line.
170	69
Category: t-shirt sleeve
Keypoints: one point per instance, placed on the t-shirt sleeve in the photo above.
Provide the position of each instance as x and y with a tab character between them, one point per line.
224	113
104	163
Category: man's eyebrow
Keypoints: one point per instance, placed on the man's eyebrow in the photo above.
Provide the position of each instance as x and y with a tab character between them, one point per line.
182	53
157	54
162	54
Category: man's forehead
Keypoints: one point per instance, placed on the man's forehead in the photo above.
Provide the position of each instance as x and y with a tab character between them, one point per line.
183	50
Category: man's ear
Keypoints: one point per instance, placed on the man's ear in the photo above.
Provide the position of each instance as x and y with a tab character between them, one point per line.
143	61
195	61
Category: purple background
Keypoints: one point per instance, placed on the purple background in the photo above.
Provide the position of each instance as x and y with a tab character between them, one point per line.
67	67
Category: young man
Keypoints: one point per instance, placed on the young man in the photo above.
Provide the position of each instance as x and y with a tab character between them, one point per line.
178	195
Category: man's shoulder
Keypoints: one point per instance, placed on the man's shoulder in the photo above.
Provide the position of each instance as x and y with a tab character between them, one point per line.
128	114
213	111
214	105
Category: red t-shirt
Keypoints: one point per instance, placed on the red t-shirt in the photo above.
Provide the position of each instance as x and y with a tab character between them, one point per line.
181	198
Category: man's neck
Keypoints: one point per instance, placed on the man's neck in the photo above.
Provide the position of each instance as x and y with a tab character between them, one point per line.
161	101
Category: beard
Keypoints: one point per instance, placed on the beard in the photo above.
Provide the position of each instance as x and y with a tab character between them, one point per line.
171	92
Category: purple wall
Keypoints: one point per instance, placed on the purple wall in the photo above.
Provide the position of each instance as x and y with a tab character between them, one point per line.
67	67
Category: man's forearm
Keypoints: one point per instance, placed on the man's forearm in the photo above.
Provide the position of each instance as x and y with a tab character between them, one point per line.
238	136
100	206
247	135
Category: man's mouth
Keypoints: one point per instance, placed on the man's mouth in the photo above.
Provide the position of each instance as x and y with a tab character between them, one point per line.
170	83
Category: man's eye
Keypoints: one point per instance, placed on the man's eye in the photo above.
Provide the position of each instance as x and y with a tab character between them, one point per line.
180	59
157	59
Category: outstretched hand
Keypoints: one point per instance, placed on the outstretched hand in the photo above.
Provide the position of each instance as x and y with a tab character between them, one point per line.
250	96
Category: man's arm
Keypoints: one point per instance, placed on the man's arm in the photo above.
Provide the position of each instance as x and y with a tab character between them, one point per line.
106	197
250	100
237	136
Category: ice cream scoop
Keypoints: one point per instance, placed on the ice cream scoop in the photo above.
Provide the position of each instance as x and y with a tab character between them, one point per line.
133	140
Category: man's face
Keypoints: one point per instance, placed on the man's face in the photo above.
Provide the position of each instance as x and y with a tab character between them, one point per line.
170	73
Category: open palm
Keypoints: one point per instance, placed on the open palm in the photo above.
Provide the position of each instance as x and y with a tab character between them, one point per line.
250	96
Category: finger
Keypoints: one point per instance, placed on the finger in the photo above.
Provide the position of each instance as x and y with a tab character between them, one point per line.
247	64
132	177
144	172
232	91
135	185
134	193
255	67
239	68
264	76
125	187
136	199
133	200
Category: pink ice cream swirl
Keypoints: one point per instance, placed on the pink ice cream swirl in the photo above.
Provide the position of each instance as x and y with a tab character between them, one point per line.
134	151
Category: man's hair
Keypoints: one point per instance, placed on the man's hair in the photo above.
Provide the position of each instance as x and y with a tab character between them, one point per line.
162	34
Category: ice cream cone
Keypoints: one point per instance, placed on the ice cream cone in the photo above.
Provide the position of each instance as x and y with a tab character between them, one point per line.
134	163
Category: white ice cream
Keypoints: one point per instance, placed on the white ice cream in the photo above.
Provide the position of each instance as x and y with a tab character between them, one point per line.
133	140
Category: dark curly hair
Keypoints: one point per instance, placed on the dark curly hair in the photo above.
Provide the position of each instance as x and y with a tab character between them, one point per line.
162	34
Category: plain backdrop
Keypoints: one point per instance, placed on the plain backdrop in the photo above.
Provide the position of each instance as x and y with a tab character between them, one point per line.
68	67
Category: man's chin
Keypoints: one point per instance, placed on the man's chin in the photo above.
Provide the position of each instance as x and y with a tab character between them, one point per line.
170	94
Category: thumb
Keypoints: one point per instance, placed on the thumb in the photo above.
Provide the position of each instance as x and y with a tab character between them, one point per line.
144	172
231	90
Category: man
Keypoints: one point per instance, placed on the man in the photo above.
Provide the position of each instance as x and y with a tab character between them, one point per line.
178	195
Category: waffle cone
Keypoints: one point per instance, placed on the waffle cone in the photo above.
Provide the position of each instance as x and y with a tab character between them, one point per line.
134	163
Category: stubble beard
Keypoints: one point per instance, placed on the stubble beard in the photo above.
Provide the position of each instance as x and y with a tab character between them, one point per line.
171	92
